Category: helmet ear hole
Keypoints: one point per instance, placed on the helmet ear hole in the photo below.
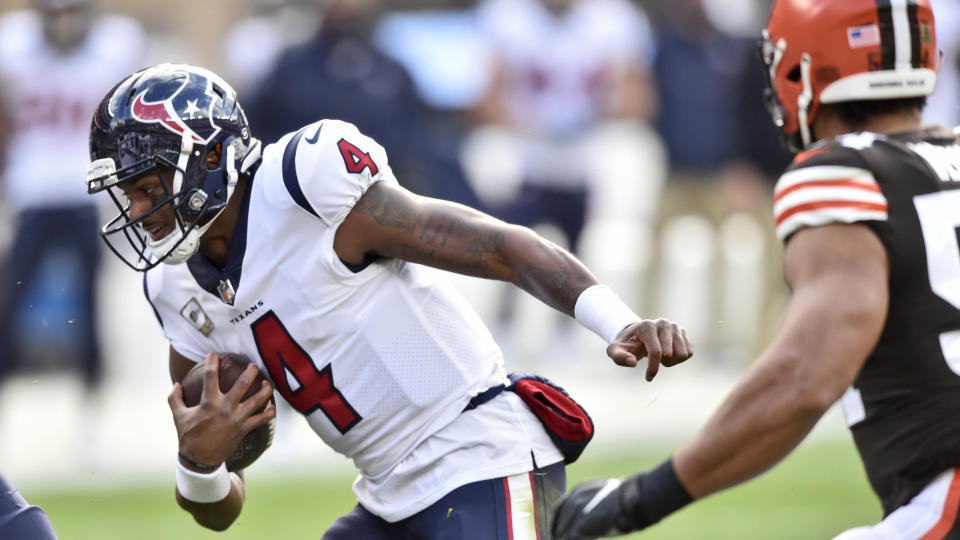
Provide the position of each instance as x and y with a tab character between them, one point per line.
794	75
213	157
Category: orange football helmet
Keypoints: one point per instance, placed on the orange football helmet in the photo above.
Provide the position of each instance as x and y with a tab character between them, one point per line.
830	51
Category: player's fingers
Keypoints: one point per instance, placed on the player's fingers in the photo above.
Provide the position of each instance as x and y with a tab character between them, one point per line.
688	342
211	376
647	334
261	418
175	399
665	333
679	348
256	402
243	382
683	348
621	355
653	367
654	356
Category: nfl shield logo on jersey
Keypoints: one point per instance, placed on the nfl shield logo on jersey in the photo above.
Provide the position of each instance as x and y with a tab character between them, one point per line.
227	294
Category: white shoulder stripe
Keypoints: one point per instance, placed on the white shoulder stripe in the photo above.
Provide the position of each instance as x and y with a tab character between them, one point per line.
824	172
826	216
812	195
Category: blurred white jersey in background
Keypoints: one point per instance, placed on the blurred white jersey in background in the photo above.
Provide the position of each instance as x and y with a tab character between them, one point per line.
50	97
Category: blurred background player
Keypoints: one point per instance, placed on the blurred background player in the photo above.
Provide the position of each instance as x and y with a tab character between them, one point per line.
19	519
713	227
868	215
568	123
56	61
943	106
551	99
253	43
347	76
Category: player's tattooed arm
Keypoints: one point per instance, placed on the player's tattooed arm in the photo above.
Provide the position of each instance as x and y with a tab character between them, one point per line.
393	222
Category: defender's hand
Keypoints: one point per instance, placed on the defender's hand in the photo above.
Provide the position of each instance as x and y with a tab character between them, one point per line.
661	341
591	510
209	432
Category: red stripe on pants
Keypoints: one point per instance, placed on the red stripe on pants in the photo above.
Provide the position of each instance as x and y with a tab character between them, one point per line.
509	503
949	515
536	507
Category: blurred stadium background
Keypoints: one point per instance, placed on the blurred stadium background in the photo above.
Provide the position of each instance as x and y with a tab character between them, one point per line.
651	129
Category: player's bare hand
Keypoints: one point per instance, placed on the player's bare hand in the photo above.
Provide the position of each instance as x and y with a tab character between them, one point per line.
660	341
209	432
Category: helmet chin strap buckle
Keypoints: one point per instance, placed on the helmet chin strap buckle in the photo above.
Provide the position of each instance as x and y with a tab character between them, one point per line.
197	200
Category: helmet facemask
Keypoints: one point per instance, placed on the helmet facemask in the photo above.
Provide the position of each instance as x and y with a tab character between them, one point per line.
193	209
771	54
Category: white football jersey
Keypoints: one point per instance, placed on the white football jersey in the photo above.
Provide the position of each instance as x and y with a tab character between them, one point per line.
559	64
381	360
49	97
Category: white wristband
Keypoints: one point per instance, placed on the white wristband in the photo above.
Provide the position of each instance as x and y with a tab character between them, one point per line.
601	311
203	488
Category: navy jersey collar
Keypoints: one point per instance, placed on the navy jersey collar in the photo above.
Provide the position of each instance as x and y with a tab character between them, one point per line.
211	278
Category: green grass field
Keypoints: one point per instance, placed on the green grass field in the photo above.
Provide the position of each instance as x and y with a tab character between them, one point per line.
816	493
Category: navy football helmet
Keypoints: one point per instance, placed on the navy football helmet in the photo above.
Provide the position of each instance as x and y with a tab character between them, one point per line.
168	118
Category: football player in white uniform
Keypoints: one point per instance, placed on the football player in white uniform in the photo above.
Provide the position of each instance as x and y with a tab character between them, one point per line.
308	257
56	61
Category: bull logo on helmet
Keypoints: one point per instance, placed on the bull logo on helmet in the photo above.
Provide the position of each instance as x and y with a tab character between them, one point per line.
174	109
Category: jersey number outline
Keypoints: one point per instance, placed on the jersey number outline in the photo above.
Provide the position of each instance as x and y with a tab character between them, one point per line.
355	159
940	223
284	358
940	226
